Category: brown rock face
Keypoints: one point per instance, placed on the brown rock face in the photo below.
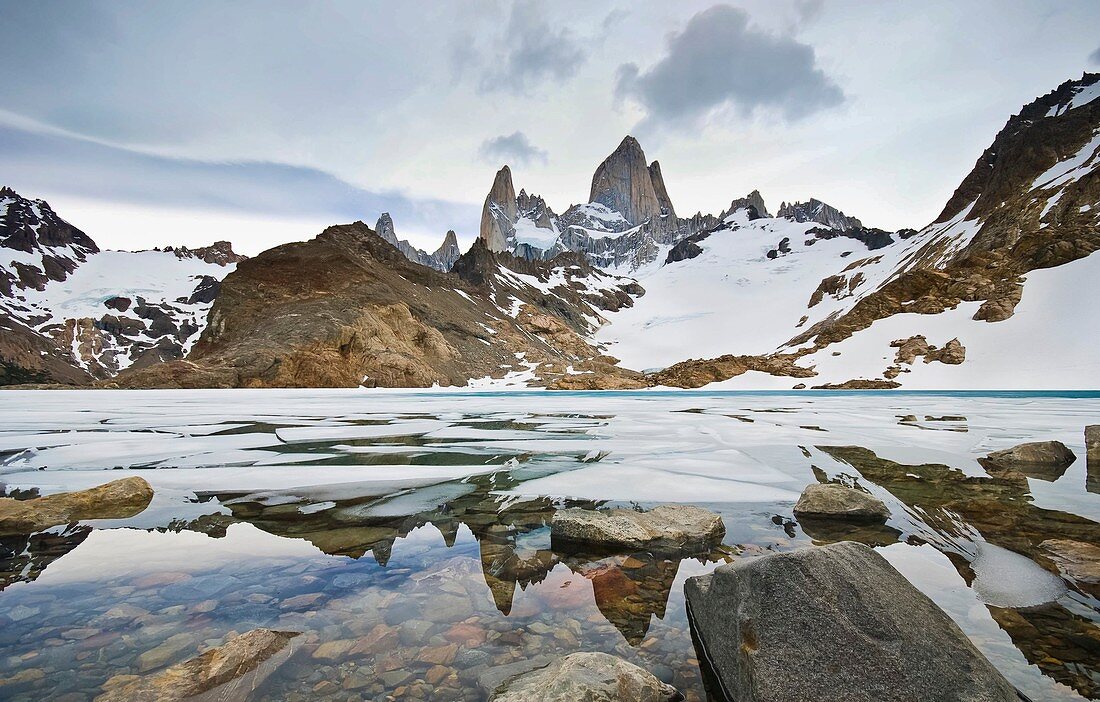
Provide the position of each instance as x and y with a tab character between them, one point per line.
624	183
498	215
115	500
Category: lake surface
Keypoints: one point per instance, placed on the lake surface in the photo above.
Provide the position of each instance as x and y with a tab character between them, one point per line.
406	535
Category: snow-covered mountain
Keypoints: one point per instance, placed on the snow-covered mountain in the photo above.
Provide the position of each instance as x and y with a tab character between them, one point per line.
72	313
627	219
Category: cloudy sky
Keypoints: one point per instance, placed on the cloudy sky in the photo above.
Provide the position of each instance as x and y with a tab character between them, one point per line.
261	121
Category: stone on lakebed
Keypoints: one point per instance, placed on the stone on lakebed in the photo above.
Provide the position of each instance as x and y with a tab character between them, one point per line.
597	677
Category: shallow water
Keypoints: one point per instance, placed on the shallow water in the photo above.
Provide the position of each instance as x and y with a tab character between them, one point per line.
406	534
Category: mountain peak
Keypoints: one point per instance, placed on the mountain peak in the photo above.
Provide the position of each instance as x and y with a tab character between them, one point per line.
625	184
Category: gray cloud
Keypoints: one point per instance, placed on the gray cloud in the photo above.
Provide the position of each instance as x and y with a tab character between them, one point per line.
514	148
538	51
1094	57
807	11
719	61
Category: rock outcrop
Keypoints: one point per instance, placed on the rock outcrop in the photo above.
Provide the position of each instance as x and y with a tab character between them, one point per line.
227	673
696	373
114	500
220	253
1052	454
667	528
829	623
596	677
835	501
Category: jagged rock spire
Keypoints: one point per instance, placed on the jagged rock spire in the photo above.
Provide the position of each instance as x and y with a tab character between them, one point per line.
499	212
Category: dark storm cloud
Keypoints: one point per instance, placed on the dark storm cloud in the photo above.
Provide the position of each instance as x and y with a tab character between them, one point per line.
718	61
41	164
514	148
537	52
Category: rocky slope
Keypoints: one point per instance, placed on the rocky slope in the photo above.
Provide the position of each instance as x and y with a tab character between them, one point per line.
348	309
840	299
71	313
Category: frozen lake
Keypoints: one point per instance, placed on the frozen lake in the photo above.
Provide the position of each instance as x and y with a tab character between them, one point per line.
419	521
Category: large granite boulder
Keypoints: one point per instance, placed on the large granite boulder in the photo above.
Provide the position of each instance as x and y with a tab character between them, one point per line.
1037	454
226	673
592	677
834	622
1092	443
117	499
667	528
834	501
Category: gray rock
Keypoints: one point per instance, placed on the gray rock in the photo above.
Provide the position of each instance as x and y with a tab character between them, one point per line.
670	528
835	501
1037	453
594	677
1092	443
834	622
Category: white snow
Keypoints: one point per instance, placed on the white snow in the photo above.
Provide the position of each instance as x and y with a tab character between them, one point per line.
1073	168
1083	96
528	233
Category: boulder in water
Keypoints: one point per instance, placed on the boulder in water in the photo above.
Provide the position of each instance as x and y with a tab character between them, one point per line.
833	622
118	499
667	528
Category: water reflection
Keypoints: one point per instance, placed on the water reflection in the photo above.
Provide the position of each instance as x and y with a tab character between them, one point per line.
955	513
